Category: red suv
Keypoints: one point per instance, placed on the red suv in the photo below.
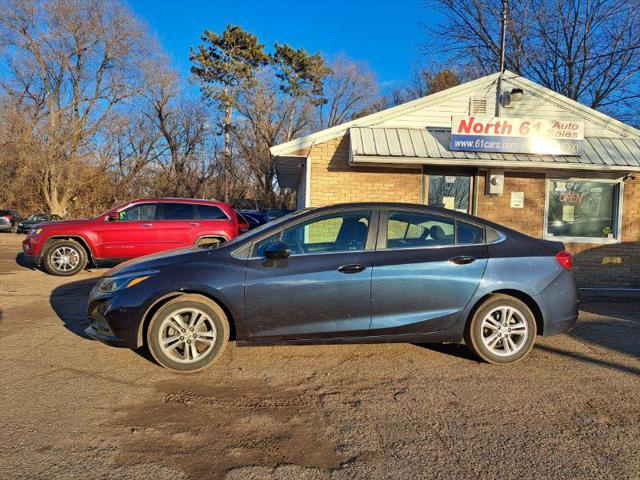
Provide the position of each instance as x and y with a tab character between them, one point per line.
130	230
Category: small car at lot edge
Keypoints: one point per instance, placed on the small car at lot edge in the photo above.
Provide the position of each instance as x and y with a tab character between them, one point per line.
355	273
32	220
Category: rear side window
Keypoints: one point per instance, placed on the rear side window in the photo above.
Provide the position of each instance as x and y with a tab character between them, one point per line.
413	229
467	233
178	211
211	212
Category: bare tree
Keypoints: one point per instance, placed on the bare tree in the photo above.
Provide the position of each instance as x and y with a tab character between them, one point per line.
350	89
587	50
184	150
425	81
71	62
266	120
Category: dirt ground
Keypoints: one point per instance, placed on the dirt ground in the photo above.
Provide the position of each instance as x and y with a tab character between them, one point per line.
72	407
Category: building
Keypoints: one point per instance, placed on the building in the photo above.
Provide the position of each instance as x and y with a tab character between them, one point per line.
520	155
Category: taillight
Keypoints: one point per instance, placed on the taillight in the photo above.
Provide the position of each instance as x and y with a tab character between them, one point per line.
564	259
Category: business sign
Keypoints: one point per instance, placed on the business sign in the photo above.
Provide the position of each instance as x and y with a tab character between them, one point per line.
517	135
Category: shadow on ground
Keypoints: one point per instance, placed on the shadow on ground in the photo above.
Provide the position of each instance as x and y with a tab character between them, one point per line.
69	301
21	260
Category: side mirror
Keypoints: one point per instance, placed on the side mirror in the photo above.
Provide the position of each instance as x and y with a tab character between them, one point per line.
277	251
113	216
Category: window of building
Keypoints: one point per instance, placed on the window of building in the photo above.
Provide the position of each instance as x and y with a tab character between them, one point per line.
450	191
583	210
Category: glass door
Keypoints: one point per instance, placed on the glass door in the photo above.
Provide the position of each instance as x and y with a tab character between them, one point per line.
452	190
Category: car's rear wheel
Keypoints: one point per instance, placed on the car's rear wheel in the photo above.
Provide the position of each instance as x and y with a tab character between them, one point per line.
64	258
502	330
188	333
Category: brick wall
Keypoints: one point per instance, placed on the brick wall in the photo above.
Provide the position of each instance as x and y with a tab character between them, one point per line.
333	180
596	265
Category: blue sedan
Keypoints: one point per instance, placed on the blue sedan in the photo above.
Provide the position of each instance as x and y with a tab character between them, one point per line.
355	273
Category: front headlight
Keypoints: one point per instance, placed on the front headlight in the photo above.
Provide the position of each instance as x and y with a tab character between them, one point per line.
34	231
113	284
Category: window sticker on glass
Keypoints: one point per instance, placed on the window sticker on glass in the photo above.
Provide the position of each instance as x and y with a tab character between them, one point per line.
449	202
568	213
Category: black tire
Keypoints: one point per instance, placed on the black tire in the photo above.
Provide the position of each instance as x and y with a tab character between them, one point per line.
77	255
476	334
209	242
210	350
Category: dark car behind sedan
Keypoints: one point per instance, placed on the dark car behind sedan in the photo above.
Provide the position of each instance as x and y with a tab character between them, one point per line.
37	218
356	273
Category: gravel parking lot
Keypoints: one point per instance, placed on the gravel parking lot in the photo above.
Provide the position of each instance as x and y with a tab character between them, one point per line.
71	407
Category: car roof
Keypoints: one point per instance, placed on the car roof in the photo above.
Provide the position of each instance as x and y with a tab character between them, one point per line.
178	200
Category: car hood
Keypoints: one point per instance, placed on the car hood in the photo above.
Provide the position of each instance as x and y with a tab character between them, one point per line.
33	222
156	260
66	223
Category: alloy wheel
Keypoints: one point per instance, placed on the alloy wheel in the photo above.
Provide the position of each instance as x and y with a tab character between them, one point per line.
187	335
65	258
504	331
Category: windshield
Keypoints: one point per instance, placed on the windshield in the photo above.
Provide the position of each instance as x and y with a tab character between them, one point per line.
38	218
266	226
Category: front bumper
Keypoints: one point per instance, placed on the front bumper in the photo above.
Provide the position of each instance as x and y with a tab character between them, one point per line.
32	246
112	323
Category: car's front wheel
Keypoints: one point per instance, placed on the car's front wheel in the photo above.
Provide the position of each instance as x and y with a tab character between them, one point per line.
502	330
64	258
188	333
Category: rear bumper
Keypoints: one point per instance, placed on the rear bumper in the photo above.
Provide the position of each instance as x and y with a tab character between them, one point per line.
558	304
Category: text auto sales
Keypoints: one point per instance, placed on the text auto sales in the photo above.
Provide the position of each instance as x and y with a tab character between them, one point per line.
525	128
517	135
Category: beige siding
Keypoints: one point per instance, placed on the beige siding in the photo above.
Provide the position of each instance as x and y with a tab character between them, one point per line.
532	105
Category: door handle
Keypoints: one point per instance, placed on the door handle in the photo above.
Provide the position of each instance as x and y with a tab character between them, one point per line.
147	224
351	268
195	224
462	260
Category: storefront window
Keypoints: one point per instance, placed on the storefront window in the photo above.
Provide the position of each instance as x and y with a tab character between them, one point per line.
450	191
583	209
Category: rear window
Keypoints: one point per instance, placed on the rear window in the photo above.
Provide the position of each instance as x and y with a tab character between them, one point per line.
211	212
467	233
178	211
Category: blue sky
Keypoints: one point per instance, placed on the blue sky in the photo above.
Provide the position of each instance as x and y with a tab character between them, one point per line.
385	34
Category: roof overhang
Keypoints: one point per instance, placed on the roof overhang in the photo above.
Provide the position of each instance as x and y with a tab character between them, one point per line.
289	170
405	146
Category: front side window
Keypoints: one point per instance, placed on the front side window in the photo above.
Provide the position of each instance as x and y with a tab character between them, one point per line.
413	229
143	212
338	232
583	209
